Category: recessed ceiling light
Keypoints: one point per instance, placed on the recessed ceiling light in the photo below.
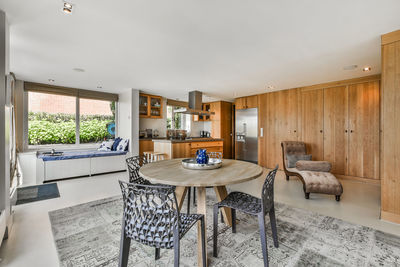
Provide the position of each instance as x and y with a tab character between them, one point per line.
51	80
67	8
350	67
270	87
99	87
78	70
366	68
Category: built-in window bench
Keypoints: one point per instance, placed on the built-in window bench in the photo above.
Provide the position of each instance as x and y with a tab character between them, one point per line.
78	163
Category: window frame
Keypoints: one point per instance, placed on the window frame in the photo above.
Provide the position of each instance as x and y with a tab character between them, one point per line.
190	119
77	144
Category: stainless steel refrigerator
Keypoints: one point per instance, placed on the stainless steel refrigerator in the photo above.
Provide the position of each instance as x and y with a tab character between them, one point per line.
246	139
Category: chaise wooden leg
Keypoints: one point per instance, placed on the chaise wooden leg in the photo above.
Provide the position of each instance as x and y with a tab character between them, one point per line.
287	177
307	195
337	198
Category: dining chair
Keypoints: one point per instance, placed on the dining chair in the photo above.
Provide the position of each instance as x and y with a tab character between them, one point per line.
253	206
134	163
151	217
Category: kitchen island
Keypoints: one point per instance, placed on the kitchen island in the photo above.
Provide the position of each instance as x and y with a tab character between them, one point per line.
187	148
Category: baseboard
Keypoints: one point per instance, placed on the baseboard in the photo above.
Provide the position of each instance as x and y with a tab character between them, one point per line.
390	217
376	182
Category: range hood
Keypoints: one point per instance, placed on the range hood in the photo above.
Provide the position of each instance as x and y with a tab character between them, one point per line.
195	105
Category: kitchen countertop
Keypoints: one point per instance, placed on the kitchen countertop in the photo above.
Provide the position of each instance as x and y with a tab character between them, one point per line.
153	138
199	139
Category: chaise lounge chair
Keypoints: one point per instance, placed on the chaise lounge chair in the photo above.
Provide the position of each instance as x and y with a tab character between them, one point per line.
322	182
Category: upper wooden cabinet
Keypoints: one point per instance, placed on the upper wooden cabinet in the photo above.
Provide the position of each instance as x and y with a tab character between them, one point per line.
206	107
246	102
150	106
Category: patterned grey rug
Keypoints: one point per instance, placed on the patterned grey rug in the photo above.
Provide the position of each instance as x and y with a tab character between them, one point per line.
88	235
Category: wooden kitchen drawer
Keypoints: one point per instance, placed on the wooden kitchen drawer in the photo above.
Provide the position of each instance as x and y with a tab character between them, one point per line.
207	144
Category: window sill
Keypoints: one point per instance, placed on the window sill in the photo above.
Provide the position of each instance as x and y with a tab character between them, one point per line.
59	147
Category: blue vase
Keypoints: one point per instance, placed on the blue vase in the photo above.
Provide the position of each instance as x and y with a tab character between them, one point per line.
201	156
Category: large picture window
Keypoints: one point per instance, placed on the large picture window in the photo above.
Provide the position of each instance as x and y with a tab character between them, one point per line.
69	117
177	121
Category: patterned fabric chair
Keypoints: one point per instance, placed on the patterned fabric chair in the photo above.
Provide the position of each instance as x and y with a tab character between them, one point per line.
254	206
313	181
151	217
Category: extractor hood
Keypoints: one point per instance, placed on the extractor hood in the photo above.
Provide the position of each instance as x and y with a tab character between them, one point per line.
195	105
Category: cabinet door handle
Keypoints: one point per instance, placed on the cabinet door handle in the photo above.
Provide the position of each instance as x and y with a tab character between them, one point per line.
295	131
351	131
320	131
345	131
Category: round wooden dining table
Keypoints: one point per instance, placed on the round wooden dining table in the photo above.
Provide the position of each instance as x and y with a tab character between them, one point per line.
171	172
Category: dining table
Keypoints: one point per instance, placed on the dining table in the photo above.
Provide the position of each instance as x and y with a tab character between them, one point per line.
171	172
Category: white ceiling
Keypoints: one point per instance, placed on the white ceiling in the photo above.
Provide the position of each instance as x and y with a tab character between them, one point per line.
225	48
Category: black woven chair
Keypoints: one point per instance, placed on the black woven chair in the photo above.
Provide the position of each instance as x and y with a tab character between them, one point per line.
254	206
151	217
134	163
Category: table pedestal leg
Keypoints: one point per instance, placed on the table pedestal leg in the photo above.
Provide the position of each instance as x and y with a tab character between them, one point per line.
180	192
201	209
221	193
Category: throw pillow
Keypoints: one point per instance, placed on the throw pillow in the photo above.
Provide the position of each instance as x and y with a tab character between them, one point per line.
316	166
106	146
116	142
123	145
292	159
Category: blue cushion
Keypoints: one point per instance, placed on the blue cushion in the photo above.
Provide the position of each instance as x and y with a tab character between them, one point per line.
115	145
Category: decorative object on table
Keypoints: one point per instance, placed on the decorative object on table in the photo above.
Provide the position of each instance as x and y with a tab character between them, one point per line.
253	206
313	181
215	155
106	145
115	144
123	145
201	156
150	217
36	193
192	164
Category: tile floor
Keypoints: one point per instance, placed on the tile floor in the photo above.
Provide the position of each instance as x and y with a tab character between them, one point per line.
31	240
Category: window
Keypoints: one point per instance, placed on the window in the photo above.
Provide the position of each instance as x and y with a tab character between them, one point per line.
177	121
51	119
97	120
53	114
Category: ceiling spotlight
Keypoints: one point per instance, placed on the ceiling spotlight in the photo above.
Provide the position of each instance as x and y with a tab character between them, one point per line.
270	87
78	70
366	68
67	8
350	67
51	80
99	87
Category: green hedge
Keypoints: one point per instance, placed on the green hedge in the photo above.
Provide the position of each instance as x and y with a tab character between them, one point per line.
44	128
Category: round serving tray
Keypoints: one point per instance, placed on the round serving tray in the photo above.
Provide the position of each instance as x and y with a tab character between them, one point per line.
193	165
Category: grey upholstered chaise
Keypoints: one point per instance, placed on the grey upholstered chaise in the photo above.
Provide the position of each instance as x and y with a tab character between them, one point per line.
313	181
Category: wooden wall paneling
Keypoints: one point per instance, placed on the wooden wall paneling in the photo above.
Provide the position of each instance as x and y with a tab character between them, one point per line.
363	160
312	116
262	123
240	103
336	128
390	144
252	101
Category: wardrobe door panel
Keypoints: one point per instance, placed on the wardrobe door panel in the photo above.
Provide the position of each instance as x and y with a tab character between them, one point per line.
312	116
262	126
364	130
336	128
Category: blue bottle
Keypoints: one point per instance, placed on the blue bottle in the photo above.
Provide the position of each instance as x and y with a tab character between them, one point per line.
201	156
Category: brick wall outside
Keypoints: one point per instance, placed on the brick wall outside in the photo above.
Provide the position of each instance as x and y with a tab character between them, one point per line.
40	102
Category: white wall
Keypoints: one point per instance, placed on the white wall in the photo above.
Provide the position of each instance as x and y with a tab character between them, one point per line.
128	118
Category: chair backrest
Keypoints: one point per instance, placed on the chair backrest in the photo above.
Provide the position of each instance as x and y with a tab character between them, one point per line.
292	148
150	214
267	193
134	164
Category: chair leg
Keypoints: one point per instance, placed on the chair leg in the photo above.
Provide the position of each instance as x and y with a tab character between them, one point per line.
222	217
215	233
261	224
233	221
194	196
203	242
176	247
188	200
337	198
157	257
307	195
287	177
273	226
124	249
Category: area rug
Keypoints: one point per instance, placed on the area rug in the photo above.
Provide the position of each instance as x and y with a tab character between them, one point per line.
36	193
89	235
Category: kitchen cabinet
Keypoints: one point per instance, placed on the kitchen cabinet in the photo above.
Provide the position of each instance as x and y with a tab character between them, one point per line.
150	106
221	125
145	145
246	102
205	107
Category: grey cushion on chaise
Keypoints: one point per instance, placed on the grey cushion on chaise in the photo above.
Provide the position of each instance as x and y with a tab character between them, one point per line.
313	181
